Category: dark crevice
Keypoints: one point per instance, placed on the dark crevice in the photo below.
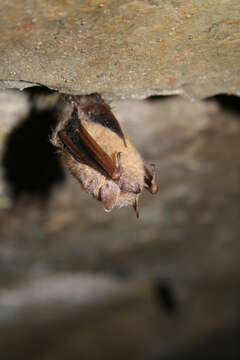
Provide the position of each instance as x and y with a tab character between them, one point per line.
165	296
155	98
31	164
35	91
228	103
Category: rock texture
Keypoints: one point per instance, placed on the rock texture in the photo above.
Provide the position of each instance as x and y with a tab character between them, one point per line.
122	48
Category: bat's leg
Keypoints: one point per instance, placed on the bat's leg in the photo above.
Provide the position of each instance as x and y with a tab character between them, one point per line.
136	207
149	179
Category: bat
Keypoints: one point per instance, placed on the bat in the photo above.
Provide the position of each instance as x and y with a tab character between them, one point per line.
98	154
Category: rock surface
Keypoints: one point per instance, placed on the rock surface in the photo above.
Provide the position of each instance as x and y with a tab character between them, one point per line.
77	283
122	48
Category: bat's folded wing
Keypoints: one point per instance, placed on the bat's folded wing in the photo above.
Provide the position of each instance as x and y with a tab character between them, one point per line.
87	151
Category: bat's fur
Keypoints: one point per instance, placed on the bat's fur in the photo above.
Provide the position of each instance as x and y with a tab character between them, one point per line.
113	193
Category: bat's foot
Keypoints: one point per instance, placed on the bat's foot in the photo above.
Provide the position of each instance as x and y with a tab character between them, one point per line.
150	179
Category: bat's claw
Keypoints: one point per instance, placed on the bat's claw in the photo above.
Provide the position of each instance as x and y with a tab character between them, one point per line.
117	173
136	207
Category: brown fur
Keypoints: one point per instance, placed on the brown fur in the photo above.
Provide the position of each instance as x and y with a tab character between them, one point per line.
113	193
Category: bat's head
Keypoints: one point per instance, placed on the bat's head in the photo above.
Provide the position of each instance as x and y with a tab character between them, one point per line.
113	196
130	179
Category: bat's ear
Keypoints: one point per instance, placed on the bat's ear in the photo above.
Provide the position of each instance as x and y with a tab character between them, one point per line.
109	194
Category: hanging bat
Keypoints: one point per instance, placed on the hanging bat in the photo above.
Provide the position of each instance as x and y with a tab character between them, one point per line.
98	154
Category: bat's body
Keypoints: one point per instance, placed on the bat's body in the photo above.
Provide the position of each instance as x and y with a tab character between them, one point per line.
97	153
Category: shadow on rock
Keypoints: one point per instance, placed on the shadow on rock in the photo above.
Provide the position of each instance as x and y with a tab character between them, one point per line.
31	164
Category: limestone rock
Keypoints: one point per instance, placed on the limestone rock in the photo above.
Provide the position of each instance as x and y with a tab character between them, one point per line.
122	48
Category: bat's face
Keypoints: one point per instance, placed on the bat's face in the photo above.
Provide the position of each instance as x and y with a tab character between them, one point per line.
113	196
98	154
